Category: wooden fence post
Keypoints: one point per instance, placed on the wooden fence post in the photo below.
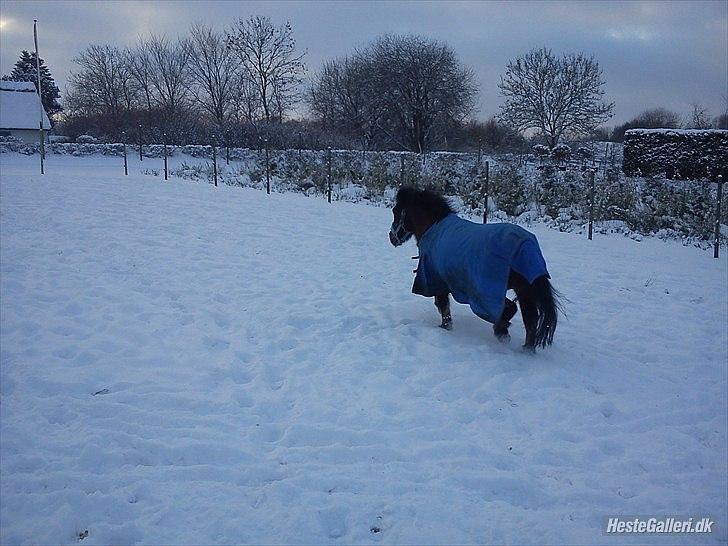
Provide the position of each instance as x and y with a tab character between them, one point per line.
267	168
328	173
716	251
164	146
214	160
486	190
126	166
401	169
591	202
141	157
480	151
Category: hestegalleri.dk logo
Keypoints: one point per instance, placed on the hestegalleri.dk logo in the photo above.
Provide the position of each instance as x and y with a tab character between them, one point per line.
618	525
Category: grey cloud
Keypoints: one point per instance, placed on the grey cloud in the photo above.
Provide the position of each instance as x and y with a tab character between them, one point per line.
652	53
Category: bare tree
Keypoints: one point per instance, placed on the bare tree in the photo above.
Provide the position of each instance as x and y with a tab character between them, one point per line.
341	98
422	86
700	117
169	73
406	91
268	56
212	72
654	118
244	102
102	84
557	96
139	60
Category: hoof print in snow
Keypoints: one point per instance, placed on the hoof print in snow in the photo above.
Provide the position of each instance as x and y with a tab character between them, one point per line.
374	529
83	534
102	391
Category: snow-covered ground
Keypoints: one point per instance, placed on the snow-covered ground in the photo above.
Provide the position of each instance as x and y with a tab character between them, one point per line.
190	364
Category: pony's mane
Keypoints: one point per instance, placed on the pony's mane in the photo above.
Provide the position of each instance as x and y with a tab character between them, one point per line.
427	199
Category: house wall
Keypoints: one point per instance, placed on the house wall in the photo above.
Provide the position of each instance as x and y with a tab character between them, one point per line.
29	136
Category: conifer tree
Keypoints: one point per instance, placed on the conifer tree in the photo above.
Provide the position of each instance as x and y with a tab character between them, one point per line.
25	71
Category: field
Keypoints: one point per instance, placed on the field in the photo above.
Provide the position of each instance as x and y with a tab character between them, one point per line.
186	364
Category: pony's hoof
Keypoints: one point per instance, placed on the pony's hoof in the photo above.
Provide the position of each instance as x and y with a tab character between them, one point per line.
500	330
503	338
446	324
529	349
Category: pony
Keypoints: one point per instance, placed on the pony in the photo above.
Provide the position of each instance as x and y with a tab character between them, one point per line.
477	264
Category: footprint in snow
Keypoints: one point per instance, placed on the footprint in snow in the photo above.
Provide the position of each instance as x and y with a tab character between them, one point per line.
333	521
214	343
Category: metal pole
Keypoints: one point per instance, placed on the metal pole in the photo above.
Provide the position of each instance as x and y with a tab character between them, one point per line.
717	217
126	166
164	144
40	98
42	151
591	204
300	143
141	157
486	191
480	150
214	160
328	173
267	168
401	170
227	154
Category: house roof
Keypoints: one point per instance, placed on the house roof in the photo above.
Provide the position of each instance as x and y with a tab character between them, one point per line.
19	106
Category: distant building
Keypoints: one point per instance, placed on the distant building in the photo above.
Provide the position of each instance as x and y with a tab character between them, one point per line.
19	111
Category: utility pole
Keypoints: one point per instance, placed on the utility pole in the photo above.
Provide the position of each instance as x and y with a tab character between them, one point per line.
40	98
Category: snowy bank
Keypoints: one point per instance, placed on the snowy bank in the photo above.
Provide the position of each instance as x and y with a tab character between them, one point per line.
189	364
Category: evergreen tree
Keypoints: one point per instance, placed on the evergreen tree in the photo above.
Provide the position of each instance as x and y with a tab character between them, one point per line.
25	71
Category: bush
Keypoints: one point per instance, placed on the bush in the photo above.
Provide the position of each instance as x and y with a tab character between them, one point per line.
86	139
561	152
687	154
507	188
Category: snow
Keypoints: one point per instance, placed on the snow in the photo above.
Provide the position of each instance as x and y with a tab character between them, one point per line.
7	85
185	364
19	108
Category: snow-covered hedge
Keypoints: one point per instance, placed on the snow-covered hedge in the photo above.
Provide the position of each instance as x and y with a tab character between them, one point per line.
681	154
521	190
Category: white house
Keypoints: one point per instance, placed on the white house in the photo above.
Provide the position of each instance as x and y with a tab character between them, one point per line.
20	111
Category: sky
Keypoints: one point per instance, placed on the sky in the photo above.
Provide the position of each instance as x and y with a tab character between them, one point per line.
669	54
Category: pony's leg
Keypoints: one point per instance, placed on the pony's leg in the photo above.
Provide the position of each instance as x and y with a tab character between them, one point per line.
500	328
529	308
442	302
529	312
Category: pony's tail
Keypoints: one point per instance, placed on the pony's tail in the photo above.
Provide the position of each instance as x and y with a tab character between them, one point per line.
548	301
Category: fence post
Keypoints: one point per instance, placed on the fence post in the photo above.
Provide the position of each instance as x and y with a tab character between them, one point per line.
591	202
480	150
164	146
227	153
300	143
141	157
486	191
401	169
214	160
267	168
716	251
126	166
328	173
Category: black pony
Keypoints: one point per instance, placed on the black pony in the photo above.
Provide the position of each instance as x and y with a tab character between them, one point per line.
477	264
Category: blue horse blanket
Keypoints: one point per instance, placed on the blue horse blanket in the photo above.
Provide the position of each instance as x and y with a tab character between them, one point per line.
473	261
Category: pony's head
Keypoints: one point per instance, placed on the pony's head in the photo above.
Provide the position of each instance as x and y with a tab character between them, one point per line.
414	211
